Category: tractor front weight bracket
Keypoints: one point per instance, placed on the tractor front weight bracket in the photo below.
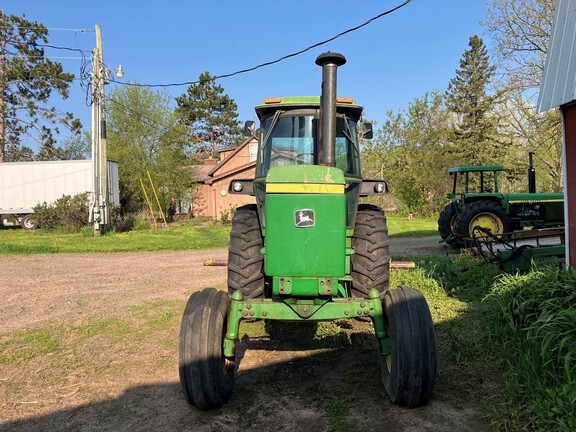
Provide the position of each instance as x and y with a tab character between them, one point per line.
305	309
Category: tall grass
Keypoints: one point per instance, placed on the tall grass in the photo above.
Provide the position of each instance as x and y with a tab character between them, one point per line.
533	319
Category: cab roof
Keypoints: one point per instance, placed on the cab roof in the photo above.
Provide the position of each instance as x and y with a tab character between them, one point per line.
476	168
344	105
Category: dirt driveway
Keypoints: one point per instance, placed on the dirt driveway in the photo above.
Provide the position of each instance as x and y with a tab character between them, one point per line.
115	384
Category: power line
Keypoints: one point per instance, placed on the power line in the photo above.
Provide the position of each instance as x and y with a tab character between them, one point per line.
294	54
48	28
63	48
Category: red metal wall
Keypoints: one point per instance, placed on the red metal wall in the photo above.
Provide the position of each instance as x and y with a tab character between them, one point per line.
569	114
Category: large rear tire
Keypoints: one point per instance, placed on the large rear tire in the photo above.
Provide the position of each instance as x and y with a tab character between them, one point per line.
371	261
486	214
245	262
205	374
409	372
447	226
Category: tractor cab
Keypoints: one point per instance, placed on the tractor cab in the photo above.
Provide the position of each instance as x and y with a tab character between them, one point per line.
289	134
474	179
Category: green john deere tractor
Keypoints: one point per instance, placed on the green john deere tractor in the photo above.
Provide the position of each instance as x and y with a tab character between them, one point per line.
477	202
307	251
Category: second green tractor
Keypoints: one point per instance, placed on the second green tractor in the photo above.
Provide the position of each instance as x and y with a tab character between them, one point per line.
476	201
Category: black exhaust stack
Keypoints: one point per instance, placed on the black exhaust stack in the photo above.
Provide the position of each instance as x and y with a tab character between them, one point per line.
531	176
327	139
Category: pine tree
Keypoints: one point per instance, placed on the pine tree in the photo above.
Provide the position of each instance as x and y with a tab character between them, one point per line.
27	81
474	136
211	116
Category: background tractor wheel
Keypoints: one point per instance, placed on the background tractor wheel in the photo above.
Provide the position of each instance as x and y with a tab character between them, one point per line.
371	262
205	374
409	371
487	214
447	226
245	262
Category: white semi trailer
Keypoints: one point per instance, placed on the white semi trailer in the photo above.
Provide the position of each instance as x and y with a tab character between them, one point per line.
23	185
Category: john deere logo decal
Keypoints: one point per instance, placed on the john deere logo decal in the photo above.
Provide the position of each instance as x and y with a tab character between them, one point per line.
304	218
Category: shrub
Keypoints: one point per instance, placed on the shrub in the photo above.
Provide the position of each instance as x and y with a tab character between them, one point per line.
69	212
121	222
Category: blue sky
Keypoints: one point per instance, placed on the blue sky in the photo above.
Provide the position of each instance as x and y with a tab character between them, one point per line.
391	62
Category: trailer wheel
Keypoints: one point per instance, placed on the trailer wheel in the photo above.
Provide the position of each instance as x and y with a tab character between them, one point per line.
245	262
28	223
205	374
409	371
487	214
371	261
447	226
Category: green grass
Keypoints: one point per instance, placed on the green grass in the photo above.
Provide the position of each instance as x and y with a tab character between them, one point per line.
533	319
418	227
177	236
23	345
180	236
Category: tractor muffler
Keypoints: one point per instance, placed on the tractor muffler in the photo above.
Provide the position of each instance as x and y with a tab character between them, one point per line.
327	130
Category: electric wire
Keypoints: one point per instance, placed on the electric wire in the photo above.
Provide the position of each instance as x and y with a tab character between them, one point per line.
86	76
48	28
152	123
269	63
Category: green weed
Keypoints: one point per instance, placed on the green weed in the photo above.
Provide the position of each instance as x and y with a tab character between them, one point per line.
106	326
26	344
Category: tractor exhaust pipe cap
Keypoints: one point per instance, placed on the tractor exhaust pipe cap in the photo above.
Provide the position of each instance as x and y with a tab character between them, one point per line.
531	175
329	62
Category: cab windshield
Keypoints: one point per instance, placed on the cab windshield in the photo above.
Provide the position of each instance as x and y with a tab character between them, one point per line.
289	138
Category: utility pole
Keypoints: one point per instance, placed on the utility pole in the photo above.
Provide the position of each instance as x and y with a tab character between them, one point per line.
99	205
100	201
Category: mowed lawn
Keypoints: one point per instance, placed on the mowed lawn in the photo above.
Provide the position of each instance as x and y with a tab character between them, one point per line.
177	236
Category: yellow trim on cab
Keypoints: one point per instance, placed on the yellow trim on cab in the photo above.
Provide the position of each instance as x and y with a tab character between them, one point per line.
312	188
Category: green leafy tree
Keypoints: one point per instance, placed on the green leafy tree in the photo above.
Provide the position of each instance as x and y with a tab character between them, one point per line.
76	147
210	115
144	136
410	150
27	81
475	133
521	30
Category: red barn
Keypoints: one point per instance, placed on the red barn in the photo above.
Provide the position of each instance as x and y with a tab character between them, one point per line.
558	89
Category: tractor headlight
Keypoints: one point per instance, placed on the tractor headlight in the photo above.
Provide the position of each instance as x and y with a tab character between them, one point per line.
237	186
379	188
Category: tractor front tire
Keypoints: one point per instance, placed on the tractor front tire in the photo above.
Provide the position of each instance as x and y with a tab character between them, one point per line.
409	372
205	374
371	260
486	214
447	226
245	262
